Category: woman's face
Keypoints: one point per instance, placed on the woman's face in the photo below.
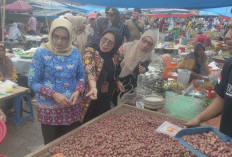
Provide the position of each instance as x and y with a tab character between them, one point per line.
107	42
60	38
2	52
201	52
146	44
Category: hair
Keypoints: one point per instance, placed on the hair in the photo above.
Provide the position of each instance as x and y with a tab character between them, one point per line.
138	10
30	13
106	9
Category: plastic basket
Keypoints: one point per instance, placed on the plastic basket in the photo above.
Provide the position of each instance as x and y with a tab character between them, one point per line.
183	76
199	130
184	107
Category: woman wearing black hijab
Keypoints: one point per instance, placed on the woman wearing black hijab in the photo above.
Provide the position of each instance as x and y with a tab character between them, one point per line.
196	62
94	38
100	74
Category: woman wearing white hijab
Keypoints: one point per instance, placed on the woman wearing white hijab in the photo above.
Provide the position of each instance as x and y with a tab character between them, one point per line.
135	58
14	32
79	33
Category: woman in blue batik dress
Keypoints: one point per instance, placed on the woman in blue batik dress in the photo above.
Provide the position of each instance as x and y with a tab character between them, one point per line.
57	77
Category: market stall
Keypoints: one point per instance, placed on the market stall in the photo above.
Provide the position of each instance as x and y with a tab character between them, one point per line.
122	126
124	130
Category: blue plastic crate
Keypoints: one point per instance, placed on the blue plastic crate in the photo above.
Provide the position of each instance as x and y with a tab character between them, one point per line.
199	130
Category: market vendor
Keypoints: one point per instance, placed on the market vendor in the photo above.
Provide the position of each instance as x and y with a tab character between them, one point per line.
196	62
14	33
203	38
57	76
134	60
2	116
222	103
7	69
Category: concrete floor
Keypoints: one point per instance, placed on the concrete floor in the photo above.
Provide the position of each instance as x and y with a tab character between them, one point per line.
23	140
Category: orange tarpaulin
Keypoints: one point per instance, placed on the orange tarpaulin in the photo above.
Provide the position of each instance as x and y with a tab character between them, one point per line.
170	15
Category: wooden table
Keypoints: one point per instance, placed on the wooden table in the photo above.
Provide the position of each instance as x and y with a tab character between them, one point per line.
16	92
43	151
173	49
19	93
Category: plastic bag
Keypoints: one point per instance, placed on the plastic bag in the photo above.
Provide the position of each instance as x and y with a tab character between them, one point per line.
184	107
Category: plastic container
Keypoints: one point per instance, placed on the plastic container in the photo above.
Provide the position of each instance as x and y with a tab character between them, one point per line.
199	130
3	131
153	102
183	76
182	49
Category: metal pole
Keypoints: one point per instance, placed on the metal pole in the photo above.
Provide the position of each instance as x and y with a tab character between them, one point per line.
3	20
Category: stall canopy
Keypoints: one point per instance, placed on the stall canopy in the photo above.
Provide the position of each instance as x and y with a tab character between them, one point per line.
170	15
19	6
85	8
169	11
181	4
224	11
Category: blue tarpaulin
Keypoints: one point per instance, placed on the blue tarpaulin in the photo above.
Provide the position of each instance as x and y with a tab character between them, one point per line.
181	4
86	9
224	11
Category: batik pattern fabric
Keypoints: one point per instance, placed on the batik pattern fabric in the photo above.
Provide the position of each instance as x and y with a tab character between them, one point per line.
93	64
51	73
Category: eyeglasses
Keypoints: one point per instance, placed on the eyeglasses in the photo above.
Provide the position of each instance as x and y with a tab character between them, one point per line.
145	41
107	41
57	37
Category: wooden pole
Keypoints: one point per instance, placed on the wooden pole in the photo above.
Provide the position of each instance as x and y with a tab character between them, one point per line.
3	20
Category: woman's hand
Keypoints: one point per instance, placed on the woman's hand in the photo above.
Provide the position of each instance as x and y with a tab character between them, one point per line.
74	97
120	86
142	69
92	93
61	99
3	116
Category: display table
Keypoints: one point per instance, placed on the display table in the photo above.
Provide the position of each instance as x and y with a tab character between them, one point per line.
167	49
35	38
22	65
121	110
19	93
16	92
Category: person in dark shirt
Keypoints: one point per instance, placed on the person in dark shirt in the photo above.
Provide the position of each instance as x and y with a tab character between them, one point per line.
222	104
114	18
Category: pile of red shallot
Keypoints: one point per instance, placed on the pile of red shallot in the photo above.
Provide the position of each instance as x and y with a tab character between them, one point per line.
209	144
125	134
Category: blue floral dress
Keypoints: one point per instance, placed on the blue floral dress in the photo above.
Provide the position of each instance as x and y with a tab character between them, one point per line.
51	73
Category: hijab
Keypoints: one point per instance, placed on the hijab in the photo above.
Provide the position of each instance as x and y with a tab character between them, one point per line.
69	16
64	23
107	72
79	33
6	66
14	31
133	55
200	61
95	37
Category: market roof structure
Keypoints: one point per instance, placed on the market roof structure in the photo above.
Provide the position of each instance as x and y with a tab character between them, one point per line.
181	4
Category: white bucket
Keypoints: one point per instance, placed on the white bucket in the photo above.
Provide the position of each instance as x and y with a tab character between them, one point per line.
183	76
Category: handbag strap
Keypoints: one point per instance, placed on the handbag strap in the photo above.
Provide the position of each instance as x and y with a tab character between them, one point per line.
140	30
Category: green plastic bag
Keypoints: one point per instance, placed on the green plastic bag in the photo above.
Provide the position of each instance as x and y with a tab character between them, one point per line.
184	107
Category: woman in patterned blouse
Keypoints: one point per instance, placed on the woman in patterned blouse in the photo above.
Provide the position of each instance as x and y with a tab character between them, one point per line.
7	69
100	74
57	77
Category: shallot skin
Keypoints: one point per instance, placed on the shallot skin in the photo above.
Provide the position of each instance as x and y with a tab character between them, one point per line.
209	144
129	134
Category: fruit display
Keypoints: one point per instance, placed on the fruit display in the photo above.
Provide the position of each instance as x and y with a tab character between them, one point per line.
27	55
